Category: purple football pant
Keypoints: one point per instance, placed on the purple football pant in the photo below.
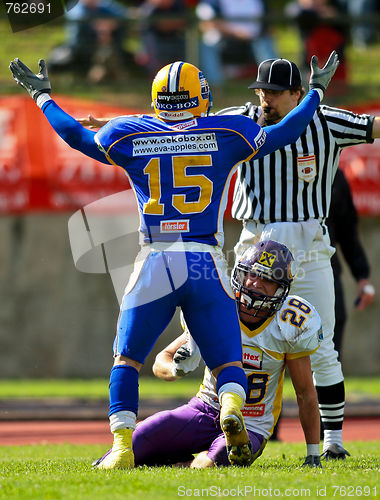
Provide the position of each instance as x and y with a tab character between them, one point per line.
173	436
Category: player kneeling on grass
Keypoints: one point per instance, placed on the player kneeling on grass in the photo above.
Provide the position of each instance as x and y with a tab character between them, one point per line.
277	330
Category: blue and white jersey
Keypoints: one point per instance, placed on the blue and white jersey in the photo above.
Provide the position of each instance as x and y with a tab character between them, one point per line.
180	172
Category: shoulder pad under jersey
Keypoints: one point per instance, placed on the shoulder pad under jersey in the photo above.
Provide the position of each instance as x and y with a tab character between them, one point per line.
300	326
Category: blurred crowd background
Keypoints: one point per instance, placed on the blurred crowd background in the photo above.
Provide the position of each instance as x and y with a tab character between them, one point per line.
109	42
58	322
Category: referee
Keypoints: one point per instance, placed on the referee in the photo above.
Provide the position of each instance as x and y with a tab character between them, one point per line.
286	196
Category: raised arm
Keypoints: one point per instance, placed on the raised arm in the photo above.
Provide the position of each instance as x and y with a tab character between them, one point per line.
72	132
294	123
38	86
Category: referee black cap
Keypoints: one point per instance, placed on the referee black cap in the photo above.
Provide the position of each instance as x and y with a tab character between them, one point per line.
277	74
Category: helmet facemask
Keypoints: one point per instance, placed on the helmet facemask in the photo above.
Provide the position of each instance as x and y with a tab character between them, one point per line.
255	303
269	260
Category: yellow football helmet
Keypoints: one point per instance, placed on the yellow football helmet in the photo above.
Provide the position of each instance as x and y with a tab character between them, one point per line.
180	91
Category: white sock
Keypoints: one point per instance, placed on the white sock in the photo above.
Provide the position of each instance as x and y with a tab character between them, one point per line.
332	437
312	449
122	420
231	387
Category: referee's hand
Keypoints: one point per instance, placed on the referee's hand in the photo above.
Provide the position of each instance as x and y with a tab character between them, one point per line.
320	78
365	295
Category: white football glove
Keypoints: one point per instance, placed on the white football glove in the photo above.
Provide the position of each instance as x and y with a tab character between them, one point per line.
187	358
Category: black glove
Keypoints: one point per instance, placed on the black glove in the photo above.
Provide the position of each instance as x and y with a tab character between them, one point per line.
312	461
34	84
320	78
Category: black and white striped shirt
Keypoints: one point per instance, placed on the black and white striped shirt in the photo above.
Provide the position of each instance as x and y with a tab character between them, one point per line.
294	183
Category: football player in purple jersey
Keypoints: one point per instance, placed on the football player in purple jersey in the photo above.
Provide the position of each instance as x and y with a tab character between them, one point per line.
277	330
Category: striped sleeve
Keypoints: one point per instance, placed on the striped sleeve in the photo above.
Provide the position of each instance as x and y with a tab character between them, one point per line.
348	128
294	183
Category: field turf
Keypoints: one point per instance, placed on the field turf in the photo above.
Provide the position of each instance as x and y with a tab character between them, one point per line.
357	388
63	472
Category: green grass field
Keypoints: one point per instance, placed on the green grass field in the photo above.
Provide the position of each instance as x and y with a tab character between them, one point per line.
150	387
63	472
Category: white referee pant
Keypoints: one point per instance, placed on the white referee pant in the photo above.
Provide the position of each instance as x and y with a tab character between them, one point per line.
309	243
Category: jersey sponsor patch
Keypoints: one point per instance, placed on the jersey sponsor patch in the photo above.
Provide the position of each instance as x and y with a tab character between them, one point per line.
175	101
169	144
185	125
307	168
252	357
253	410
175	226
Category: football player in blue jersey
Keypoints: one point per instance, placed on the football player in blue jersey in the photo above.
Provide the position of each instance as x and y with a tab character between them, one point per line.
179	164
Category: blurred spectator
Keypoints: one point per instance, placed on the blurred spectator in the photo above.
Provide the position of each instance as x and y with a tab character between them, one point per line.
362	33
191	3
343	228
225	38
163	32
322	31
95	33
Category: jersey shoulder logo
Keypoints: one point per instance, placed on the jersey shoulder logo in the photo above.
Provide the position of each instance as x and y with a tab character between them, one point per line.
260	138
306	167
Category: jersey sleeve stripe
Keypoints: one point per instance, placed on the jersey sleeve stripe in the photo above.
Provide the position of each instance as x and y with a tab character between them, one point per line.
296	355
